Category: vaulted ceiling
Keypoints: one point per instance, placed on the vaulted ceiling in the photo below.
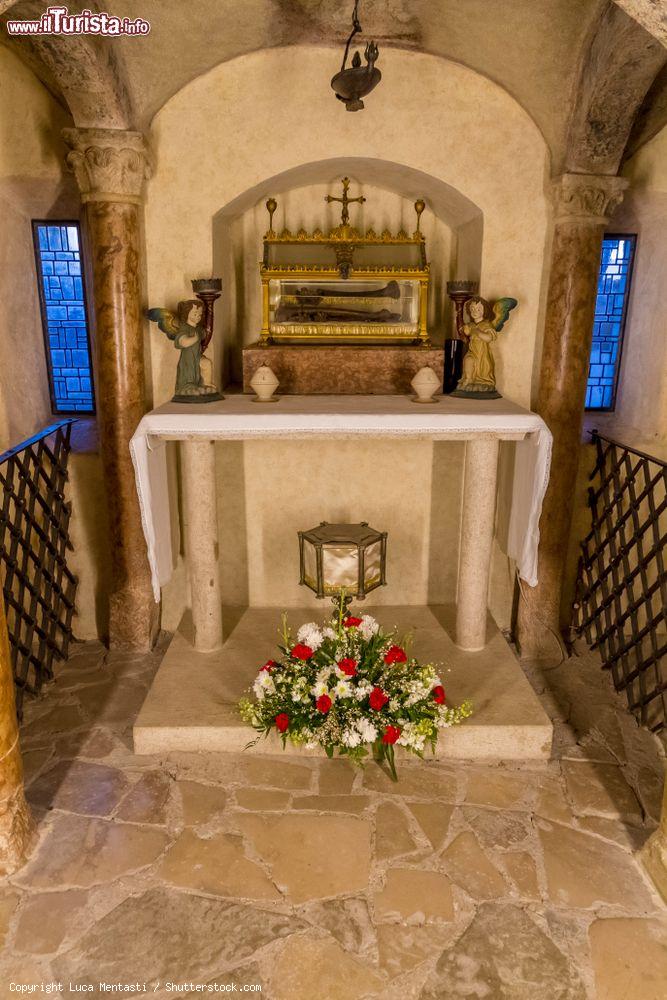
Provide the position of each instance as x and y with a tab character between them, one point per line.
552	56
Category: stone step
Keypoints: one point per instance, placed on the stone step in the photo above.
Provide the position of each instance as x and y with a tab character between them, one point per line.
191	704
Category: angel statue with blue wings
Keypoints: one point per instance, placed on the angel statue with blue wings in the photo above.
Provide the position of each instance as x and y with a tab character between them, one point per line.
185	330
484	324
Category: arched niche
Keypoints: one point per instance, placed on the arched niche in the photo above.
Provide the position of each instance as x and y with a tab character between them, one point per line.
452	225
262	124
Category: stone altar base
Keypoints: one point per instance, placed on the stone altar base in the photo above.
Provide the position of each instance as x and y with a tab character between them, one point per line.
341	368
191	705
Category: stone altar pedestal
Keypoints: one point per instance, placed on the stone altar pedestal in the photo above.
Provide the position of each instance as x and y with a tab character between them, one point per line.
191	705
322	369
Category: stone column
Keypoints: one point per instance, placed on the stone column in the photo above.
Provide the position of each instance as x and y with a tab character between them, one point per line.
583	206
110	168
654	852
16	826
200	524
477	524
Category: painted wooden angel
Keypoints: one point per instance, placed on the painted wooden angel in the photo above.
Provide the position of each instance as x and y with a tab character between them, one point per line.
485	321
185	330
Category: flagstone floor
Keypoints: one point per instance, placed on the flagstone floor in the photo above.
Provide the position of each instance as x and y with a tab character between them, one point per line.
318	882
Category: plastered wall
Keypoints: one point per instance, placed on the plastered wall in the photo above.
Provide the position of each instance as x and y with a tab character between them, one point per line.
31	186
266	124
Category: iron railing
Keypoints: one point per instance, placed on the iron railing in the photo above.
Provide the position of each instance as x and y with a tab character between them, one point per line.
621	598
38	587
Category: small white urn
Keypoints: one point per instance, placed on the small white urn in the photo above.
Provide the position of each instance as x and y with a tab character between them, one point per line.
265	383
425	383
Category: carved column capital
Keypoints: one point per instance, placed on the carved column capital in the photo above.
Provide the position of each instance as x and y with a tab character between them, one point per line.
109	164
587	198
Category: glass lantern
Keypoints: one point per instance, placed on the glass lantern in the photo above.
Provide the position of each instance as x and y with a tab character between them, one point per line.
343	559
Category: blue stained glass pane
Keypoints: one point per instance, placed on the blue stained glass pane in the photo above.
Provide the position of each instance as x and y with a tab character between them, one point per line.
59	263
610	305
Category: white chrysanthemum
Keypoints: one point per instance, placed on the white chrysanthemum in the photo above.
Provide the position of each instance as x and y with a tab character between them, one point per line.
319	688
366	730
351	738
310	635
369	627
328	633
263	684
394	705
343	689
323	675
410	737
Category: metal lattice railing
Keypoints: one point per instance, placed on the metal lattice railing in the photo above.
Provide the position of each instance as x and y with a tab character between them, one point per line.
621	598
38	587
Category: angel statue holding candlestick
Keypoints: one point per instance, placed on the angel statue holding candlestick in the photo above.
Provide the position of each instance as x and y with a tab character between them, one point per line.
484	324
185	330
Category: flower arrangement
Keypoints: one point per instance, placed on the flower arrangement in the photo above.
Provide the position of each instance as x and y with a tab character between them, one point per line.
347	686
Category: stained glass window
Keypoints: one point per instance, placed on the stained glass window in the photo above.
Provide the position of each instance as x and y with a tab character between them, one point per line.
64	316
610	309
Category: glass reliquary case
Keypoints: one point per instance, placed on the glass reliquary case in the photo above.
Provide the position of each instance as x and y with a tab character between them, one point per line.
344	286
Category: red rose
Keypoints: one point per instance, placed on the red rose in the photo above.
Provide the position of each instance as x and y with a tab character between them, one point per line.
282	722
438	693
378	699
351	621
395	655
323	703
301	652
269	665
348	666
391	734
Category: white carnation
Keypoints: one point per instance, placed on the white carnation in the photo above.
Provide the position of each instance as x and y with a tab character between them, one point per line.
351	738
366	730
363	690
369	627
328	633
310	635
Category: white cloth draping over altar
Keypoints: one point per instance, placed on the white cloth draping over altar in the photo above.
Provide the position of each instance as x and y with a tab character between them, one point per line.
238	417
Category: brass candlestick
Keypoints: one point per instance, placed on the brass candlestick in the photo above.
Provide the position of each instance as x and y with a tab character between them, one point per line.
271	206
459	292
207	291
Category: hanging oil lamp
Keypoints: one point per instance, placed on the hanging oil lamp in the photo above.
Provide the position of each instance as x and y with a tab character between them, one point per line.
356	81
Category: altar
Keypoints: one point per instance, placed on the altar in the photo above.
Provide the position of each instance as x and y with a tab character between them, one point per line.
482	425
467	630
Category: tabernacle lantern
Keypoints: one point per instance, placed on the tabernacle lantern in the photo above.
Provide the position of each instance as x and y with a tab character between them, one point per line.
347	559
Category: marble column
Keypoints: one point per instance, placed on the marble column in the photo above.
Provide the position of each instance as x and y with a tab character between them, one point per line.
583	205
654	852
16	826
477	527
110	167
200	523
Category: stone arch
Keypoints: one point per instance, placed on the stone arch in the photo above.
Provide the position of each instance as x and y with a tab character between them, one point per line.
615	75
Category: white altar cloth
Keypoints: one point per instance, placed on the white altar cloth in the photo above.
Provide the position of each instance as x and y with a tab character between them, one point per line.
238	417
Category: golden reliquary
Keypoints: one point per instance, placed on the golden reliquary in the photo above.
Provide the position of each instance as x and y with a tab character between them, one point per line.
345	286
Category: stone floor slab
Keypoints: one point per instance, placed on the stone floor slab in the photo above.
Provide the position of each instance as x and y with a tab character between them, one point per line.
311	857
503	955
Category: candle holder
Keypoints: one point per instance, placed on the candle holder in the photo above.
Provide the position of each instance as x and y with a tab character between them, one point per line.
459	292
207	291
455	347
